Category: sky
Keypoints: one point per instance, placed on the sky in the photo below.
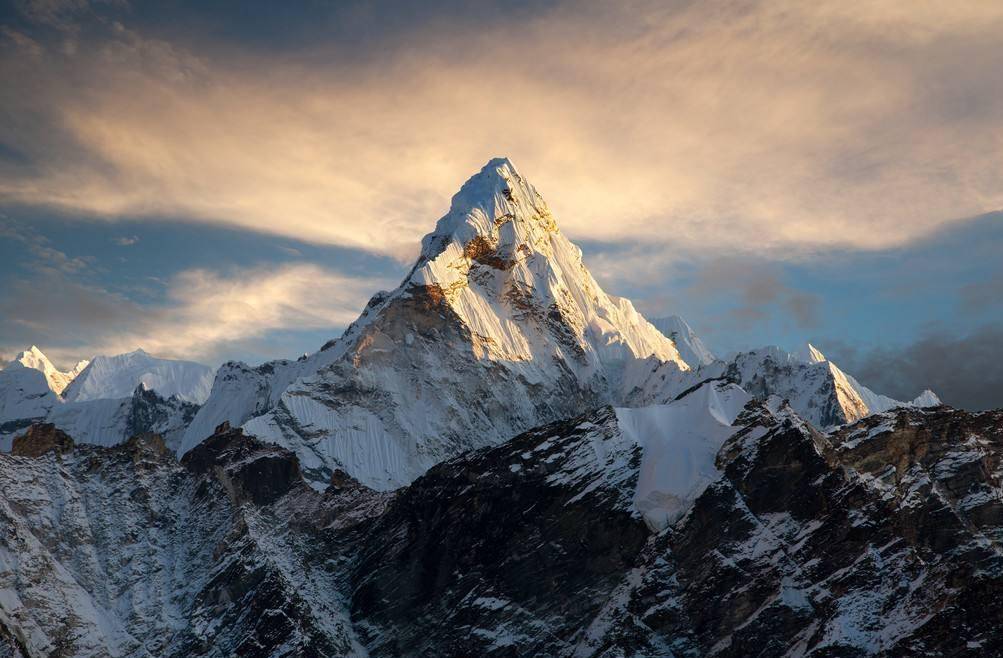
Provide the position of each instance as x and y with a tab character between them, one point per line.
222	180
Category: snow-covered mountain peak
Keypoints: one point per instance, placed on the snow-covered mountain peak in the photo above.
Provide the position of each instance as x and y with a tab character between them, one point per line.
497	194
927	399
57	380
499	327
498	260
113	377
811	354
497	218
691	348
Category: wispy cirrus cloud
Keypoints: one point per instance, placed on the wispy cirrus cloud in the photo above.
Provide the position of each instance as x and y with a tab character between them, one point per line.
204	315
789	127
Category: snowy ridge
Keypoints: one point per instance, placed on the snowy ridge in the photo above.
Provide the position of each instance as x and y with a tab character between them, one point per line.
28	395
690	347
240	392
117	376
816	388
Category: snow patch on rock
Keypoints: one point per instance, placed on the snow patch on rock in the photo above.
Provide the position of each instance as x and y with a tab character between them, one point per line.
680	442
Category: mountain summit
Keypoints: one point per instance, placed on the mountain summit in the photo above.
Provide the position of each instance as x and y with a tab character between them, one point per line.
57	380
497	328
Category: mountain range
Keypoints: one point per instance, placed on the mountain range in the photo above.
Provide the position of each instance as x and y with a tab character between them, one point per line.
497	458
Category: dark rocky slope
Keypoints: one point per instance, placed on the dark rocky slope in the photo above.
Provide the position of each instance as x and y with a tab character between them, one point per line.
882	538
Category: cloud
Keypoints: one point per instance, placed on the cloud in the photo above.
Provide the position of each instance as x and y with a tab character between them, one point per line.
204	313
758	290
126	240
983	295
966	371
789	128
44	256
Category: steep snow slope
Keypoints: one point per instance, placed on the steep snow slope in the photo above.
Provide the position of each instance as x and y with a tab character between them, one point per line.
118	376
690	347
498	327
58	381
240	392
679	442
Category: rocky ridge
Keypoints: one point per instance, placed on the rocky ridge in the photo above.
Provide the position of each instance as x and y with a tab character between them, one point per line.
880	538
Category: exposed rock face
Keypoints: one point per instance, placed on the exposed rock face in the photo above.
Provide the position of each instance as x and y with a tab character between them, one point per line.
882	538
802	548
110	421
249	470
40	439
123	551
508	551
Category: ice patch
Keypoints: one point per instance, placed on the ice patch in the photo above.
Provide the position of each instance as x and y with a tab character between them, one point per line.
680	442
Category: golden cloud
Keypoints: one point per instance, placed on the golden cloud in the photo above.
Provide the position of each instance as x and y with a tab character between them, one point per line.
738	126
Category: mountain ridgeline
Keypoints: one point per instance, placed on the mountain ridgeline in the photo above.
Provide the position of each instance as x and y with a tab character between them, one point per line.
497	458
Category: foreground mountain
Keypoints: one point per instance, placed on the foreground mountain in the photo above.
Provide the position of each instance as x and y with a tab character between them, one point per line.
125	552
111	377
56	379
585	537
498	327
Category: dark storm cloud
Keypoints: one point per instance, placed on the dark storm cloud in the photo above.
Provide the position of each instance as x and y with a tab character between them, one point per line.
966	371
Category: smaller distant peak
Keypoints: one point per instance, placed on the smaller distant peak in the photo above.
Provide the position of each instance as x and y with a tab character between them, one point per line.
811	354
678	319
498	162
927	399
